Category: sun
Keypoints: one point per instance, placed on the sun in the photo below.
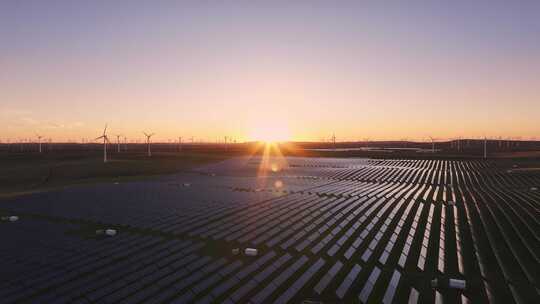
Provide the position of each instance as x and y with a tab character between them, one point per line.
270	134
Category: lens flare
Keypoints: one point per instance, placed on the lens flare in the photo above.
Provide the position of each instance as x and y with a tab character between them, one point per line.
270	134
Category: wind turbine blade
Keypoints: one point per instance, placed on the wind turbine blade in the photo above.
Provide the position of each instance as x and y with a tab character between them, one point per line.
99	137
105	130
145	134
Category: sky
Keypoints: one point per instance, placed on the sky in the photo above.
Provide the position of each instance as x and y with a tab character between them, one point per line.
298	70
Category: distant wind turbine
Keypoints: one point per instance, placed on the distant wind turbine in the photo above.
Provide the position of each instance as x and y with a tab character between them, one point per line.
105	140
405	140
39	141
148	136
485	147
432	144
118	142
366	140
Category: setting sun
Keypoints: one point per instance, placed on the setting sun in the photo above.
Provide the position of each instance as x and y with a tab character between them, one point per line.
270	134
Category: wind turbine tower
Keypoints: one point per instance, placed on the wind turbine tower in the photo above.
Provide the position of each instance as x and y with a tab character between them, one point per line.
118	143
105	140
148	136
39	141
432	144
485	147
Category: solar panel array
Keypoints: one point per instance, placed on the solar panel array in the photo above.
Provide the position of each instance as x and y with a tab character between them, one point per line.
327	230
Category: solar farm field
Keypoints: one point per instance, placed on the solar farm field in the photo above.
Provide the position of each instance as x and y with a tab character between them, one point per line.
327	230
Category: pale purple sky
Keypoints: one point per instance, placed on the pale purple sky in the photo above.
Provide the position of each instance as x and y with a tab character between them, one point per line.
242	68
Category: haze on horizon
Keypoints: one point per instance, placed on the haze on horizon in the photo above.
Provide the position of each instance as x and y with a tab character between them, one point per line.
247	69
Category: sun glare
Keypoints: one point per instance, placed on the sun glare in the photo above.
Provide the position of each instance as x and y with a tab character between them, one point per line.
270	134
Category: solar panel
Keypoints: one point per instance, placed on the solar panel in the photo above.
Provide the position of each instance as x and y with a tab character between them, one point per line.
347	282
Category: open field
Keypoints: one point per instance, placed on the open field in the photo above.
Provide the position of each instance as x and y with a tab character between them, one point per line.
27	172
327	230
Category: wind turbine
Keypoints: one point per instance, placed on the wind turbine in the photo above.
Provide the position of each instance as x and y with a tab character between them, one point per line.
148	142
366	141
39	141
118	142
179	143
485	147
404	140
105	140
432	144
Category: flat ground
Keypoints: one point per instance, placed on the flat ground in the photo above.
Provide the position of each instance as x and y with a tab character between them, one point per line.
327	229
30	172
